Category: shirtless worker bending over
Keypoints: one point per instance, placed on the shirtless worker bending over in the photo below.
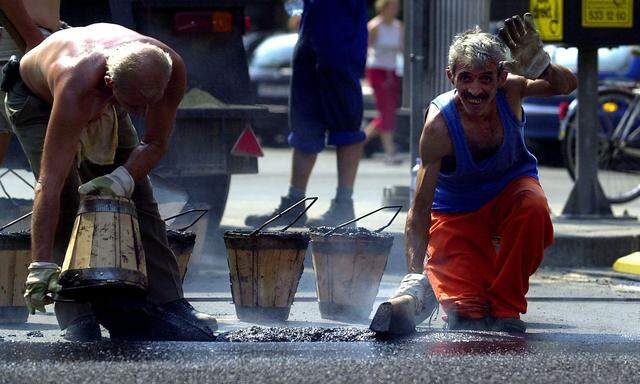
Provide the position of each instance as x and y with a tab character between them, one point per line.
68	105
479	181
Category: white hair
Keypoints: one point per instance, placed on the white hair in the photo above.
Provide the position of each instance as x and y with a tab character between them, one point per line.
141	66
476	48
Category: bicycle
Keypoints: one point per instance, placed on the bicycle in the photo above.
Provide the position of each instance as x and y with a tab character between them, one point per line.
618	141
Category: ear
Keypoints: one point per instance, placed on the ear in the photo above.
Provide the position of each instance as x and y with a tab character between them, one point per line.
502	77
450	75
108	81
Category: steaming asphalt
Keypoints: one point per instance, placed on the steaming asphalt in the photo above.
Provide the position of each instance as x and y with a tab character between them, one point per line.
581	328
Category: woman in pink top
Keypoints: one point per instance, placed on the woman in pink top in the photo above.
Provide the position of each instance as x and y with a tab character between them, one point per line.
385	43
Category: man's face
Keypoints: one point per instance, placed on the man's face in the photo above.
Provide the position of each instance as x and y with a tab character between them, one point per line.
477	86
132	101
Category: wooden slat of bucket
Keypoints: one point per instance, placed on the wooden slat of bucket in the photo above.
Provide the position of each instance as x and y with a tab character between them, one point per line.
323	275
80	256
367	274
245	268
22	261
126	252
7	277
291	261
233	274
127	248
342	275
72	245
139	250
103	251
267	276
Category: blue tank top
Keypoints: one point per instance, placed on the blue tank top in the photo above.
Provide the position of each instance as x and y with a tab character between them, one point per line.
471	185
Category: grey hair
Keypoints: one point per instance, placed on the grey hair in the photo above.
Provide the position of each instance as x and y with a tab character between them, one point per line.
129	64
476	48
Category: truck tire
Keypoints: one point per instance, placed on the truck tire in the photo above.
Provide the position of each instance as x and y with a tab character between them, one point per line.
211	190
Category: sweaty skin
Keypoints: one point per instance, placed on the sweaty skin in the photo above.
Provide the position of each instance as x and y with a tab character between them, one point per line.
68	70
476	103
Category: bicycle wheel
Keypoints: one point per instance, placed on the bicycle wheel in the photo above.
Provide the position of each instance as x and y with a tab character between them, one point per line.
618	170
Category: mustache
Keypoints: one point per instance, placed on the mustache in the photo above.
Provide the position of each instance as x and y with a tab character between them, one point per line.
468	95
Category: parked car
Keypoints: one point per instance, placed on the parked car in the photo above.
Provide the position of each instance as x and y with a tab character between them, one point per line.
543	114
270	74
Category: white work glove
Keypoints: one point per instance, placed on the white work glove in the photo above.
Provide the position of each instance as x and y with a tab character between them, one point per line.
529	59
42	279
118	183
417	285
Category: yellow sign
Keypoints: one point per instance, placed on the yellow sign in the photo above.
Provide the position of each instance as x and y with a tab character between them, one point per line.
607	13
548	16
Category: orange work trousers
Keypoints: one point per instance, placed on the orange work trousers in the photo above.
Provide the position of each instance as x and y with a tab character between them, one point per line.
468	275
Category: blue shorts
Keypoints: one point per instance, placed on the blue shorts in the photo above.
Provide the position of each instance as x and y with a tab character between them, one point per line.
323	99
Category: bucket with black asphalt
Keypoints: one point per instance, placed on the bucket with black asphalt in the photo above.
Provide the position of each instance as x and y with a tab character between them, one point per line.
182	241
349	263
265	268
15	257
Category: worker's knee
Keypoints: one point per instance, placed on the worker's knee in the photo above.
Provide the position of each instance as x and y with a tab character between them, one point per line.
533	204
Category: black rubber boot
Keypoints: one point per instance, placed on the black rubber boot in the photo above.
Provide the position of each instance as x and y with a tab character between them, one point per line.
256	221
83	329
139	320
460	323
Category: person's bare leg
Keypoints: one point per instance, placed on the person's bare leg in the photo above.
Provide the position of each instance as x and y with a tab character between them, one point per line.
387	143
371	132
301	167
348	160
5	139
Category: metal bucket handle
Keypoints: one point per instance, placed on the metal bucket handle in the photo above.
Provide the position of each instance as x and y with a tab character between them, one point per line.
19	219
276	217
397	207
202	213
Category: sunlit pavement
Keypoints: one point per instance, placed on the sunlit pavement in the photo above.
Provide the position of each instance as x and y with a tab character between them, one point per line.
582	324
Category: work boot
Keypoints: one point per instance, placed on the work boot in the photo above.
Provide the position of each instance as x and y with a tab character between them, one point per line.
339	212
206	318
83	329
138	320
461	323
256	221
508	324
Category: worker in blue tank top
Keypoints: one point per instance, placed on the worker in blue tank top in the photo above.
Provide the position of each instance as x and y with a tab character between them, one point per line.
478	182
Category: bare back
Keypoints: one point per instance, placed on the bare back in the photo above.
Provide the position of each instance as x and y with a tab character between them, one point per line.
75	57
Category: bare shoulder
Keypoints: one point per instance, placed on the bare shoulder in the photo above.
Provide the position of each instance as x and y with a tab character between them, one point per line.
435	142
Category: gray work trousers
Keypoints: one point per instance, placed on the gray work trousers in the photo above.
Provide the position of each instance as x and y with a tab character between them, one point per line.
29	117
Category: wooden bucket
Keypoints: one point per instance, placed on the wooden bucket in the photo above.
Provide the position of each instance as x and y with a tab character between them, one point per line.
105	254
15	257
182	242
265	268
349	264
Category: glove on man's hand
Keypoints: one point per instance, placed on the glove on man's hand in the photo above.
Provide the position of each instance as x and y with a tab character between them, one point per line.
529	58
417	285
42	279
118	183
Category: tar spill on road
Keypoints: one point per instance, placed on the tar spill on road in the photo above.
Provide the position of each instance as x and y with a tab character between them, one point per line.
308	334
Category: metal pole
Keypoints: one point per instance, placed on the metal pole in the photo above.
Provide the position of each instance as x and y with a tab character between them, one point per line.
416	76
587	199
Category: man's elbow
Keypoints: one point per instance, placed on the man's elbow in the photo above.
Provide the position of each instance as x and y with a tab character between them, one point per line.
570	85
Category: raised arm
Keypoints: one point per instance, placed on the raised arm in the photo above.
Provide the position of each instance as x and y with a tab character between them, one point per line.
535	74
159	121
22	22
434	145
